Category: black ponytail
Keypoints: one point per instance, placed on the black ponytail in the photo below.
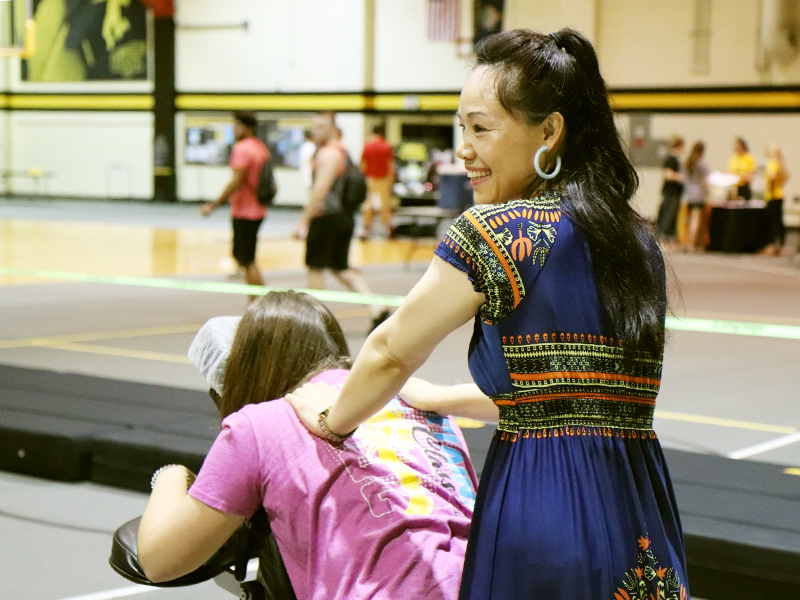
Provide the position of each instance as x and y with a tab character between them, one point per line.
540	74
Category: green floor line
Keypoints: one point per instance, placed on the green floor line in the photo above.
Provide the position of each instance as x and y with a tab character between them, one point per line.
206	286
770	330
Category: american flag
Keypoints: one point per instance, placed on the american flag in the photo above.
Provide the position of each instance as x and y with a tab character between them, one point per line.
444	19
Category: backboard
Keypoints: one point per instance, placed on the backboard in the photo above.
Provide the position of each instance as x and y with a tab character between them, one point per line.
17	28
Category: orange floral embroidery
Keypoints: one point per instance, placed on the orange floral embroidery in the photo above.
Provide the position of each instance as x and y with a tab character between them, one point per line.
521	247
648	580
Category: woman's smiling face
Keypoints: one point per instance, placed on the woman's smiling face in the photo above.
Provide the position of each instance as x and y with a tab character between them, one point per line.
497	147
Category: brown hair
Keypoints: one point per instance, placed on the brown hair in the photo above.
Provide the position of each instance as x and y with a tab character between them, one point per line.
675	141
283	339
694	157
742	143
246	118
328	114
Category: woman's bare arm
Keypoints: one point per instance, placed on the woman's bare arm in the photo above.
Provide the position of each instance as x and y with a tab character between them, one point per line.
442	301
462	400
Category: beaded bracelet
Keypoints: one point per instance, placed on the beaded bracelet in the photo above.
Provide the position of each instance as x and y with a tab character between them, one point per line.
189	475
329	435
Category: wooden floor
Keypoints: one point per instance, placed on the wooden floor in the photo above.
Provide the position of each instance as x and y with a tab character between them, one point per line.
722	394
118	249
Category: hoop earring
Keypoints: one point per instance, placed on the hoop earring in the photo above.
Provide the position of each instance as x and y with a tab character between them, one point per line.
539	171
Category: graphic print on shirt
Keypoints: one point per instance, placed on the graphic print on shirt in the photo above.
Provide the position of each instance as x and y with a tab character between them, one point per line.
419	457
446	442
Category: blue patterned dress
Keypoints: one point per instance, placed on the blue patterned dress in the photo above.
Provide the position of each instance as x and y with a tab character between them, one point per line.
575	500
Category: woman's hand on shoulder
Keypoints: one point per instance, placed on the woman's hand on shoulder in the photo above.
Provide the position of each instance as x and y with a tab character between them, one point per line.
421	394
310	400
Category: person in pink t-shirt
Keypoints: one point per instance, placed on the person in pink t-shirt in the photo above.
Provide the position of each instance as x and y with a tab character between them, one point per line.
384	513
248	156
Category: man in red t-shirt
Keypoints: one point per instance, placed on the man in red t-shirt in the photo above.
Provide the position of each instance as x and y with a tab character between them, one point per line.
248	156
377	163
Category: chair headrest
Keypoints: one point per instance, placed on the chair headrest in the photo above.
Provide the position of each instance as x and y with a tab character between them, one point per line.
210	348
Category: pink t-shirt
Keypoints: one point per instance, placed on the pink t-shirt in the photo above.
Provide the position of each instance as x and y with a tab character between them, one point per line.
386	515
249	153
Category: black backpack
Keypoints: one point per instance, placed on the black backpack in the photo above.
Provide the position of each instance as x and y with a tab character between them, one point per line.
267	189
353	187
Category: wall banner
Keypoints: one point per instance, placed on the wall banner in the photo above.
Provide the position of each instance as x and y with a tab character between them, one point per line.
88	40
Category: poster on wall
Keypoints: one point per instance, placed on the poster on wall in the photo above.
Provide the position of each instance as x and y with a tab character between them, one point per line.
284	137
88	40
488	16
209	139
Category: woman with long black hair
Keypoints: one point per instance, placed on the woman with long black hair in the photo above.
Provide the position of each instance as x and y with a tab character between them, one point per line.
566	286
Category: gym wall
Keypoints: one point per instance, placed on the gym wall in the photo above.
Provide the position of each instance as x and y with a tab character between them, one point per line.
646	48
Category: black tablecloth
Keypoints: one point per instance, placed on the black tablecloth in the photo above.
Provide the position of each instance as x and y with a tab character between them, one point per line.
424	199
738	229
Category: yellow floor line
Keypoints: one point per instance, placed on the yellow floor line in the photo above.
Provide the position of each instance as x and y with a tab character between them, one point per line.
673	416
72	343
99	335
131	333
703	420
351	313
111	351
466	423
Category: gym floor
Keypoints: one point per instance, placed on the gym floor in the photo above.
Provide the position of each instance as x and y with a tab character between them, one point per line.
102	310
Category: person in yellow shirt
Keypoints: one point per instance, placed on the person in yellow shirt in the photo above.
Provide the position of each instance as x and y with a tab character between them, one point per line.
743	165
775	176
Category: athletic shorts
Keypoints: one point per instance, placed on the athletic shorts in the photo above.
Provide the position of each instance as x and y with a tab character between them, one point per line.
328	242
245	234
